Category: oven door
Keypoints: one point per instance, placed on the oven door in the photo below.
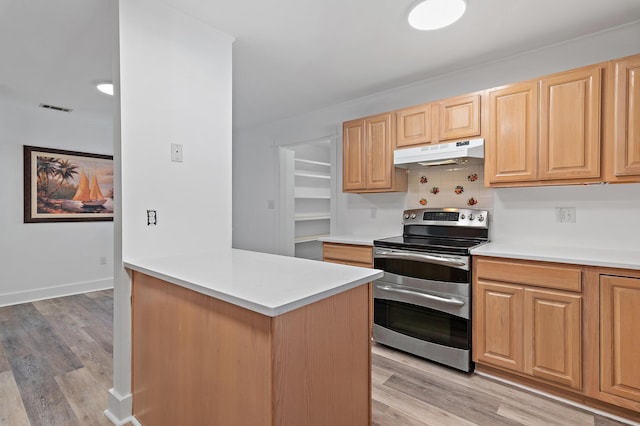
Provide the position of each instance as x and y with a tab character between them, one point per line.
423	266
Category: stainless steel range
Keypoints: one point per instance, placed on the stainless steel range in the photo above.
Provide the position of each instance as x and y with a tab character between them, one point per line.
422	304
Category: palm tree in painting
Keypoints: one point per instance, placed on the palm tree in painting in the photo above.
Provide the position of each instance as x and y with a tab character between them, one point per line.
64	172
47	167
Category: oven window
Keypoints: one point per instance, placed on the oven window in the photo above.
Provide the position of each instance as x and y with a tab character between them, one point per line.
425	271
423	323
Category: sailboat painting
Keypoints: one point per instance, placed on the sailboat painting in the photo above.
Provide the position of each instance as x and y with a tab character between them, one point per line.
67	186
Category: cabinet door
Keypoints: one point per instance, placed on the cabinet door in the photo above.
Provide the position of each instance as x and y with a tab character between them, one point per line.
415	125
378	152
512	147
620	336
353	152
626	121
459	117
498	325
570	125
553	329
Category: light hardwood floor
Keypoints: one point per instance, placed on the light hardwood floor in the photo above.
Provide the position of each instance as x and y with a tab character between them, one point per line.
56	358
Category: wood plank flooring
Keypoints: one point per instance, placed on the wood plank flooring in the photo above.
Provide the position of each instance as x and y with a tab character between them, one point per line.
56	361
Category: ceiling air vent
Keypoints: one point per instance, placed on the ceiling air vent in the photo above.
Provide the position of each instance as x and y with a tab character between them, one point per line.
56	108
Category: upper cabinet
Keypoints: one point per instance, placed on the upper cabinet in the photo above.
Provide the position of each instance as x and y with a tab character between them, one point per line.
546	131
459	117
624	132
570	124
513	133
441	121
415	125
368	145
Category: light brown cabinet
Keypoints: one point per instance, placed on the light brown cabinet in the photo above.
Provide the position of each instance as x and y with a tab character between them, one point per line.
459	117
624	132
368	146
200	360
415	125
620	336
441	121
348	254
354	255
570	121
571	330
498	325
512	145
528	329
546	131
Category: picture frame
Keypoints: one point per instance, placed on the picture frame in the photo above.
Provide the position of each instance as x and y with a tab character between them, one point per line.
67	186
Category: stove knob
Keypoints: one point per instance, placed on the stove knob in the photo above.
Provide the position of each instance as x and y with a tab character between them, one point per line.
462	216
470	216
480	218
406	216
413	215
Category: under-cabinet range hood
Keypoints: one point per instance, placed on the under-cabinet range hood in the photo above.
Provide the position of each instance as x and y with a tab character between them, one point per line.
462	152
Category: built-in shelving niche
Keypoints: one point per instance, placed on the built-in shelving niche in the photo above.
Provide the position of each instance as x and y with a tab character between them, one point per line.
307	185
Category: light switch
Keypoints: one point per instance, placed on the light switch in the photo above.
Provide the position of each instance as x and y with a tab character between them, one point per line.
176	152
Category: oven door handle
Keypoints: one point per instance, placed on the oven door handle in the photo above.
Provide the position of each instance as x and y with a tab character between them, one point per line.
429	296
420	257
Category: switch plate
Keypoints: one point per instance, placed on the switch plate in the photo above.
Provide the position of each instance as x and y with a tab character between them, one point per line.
103	260
566	214
176	152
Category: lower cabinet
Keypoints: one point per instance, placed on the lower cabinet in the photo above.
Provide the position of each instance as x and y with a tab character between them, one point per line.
354	255
620	336
531	331
568	329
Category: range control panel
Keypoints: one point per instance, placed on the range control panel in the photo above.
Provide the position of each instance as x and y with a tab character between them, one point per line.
447	217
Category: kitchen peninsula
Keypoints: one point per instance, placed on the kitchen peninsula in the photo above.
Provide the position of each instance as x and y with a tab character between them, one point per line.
239	337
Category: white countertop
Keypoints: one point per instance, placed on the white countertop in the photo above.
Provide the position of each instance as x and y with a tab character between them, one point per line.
625	259
361	240
264	283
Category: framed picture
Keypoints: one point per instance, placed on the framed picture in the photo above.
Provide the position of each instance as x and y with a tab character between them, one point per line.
67	186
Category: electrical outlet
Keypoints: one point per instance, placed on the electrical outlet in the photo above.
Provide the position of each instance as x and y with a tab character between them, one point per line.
152	217
566	214
103	260
176	152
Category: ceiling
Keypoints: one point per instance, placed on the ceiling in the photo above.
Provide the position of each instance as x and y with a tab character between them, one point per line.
290	56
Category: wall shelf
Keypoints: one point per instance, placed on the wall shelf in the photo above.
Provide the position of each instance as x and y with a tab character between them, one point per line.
309	192
314	175
307	183
309	238
315	163
312	216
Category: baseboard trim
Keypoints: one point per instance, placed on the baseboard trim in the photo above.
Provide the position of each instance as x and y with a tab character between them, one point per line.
8	299
558	398
120	407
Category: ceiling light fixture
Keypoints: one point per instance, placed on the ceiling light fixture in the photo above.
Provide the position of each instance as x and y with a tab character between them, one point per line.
105	88
435	14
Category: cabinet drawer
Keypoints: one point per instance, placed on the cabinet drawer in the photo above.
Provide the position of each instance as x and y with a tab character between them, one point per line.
542	274
348	254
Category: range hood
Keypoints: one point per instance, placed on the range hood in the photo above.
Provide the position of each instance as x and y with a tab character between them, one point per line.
462	152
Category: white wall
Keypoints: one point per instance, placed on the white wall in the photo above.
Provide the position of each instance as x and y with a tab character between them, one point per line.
253	157
606	216
175	88
41	260
174	77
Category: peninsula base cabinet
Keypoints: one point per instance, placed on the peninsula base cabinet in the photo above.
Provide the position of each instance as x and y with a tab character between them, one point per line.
571	330
199	360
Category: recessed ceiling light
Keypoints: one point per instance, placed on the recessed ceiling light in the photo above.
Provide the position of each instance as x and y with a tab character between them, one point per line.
105	88
434	14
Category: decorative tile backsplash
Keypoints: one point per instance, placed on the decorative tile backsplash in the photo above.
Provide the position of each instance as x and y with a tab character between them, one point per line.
449	186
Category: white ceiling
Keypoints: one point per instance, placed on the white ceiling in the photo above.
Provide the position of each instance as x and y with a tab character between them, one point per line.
290	56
